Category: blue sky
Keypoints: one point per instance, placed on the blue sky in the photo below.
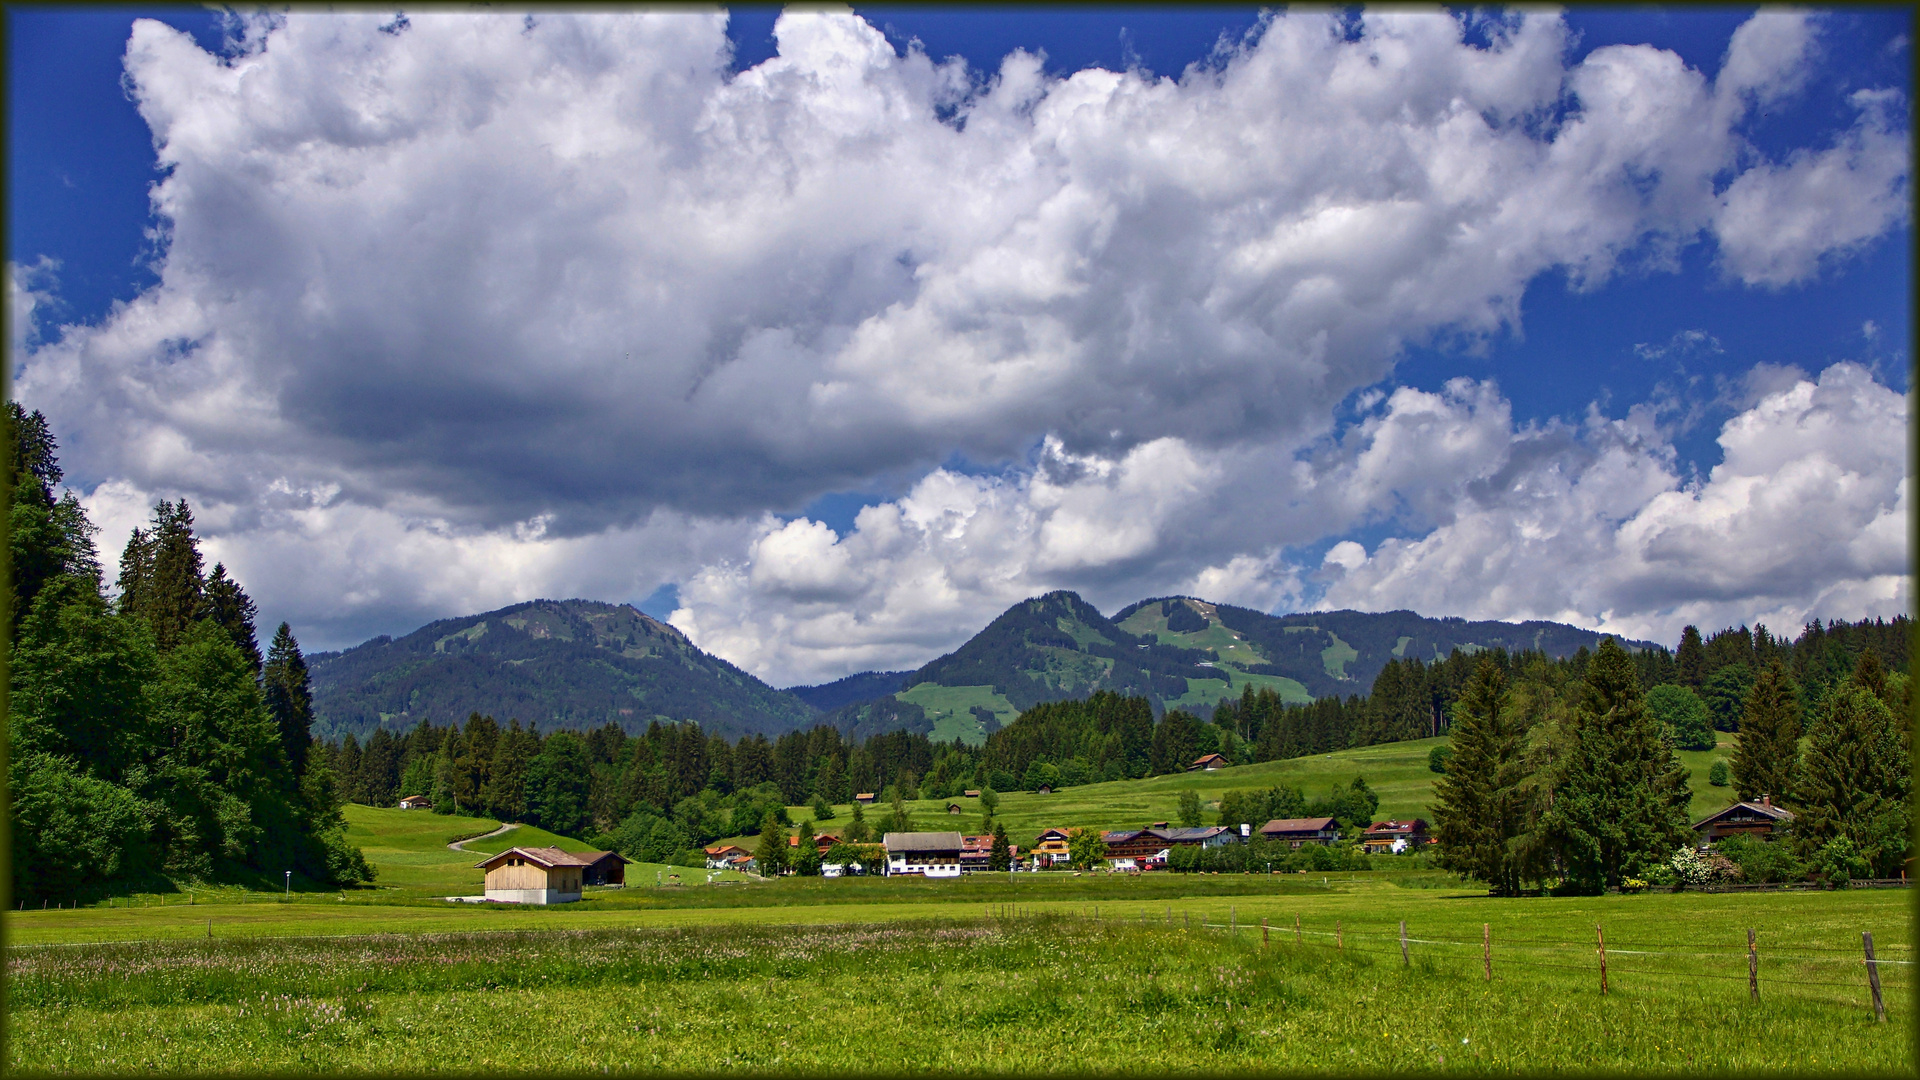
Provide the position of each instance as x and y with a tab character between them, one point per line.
1697	315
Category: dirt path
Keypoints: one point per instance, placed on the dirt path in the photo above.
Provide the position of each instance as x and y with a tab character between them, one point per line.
461	845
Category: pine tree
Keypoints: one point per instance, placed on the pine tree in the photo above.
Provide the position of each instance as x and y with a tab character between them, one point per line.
1000	855
227	605
290	697
1620	800
1766	754
1856	777
857	828
160	578
1482	807
806	853
771	855
1690	662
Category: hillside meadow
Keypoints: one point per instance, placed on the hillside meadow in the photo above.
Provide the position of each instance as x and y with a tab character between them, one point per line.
1104	972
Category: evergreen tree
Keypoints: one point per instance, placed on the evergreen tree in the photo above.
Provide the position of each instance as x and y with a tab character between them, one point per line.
857	828
1856	778
806	852
771	855
1481	806
289	695
1690	662
1000	855
228	606
160	575
1683	717
1766	755
1619	803
557	781
1189	808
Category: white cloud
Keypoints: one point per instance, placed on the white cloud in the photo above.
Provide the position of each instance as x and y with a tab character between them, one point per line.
574	308
1805	517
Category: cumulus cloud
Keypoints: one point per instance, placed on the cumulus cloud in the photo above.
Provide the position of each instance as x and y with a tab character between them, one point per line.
526	298
1804	517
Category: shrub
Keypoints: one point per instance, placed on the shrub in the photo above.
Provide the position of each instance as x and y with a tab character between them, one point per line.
1717	775
1840	861
1633	885
1761	861
1437	758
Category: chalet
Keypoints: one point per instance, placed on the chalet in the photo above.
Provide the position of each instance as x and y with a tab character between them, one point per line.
721	858
416	802
1297	831
976	850
865	798
610	868
971	793
953	808
923	854
1761	819
1394	837
821	842
539	875
1204	835
1050	849
1208	763
1136	849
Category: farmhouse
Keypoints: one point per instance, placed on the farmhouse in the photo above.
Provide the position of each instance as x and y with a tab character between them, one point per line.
1759	819
1204	835
416	802
721	858
1208	763
540	875
975	851
924	854
1051	848
1394	837
821	842
1298	831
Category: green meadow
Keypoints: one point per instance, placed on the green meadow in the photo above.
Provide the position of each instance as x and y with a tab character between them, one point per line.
1104	972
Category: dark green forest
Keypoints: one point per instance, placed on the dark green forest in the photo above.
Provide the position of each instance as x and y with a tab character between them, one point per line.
149	740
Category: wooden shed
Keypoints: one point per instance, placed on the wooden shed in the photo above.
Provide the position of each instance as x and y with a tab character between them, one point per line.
540	875
607	868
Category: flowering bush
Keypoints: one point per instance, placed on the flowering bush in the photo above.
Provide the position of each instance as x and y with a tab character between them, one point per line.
1633	885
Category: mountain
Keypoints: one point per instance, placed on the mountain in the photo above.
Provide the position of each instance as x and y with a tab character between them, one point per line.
556	663
1179	652
865	686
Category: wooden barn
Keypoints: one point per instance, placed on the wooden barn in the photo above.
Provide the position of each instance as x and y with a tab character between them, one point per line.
540	875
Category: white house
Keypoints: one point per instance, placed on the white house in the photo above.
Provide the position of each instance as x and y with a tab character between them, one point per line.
925	854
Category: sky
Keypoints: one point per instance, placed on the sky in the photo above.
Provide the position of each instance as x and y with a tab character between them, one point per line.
827	335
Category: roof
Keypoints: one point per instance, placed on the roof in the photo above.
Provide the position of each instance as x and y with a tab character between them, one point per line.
548	857
864	795
1060	834
1192	835
595	858
724	850
1773	813
1209	757
923	841
971	793
1397	828
1298	824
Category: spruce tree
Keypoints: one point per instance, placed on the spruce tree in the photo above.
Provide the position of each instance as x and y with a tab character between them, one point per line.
160	578
290	697
1856	778
1481	806
1766	754
1619	803
771	855
228	606
806	853
1000	855
1690	661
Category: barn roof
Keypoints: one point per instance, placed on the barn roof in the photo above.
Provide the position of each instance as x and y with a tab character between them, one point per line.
1765	810
923	841
1297	824
548	857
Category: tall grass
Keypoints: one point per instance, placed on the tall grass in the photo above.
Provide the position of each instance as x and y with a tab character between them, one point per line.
1053	992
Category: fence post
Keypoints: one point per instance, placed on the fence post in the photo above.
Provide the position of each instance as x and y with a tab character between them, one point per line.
1405	960
1873	976
1297	939
1263	931
1753	967
1486	948
1339	936
1233	921
1601	937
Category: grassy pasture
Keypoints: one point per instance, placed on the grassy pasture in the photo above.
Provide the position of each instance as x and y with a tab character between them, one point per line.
1151	984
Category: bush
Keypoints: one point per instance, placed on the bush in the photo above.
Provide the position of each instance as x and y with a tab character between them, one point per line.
1437	758
1840	862
1633	885
1717	775
1761	861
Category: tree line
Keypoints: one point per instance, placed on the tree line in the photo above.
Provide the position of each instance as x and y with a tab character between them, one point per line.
150	741
1573	782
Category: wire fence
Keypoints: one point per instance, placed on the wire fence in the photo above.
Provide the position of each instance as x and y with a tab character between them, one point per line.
1802	973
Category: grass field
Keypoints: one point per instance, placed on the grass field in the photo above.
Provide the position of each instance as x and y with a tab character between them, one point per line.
1047	972
950	709
1397	772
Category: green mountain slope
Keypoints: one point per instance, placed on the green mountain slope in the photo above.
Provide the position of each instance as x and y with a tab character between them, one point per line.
1333	652
556	663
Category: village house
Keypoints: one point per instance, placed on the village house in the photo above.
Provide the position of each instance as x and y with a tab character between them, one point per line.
1297	831
923	854
1761	819
1136	849
1209	763
976	850
1050	849
721	857
1394	837
821	842
416	802
538	875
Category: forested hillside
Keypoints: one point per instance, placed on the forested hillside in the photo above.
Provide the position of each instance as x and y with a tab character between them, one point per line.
552	663
148	738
